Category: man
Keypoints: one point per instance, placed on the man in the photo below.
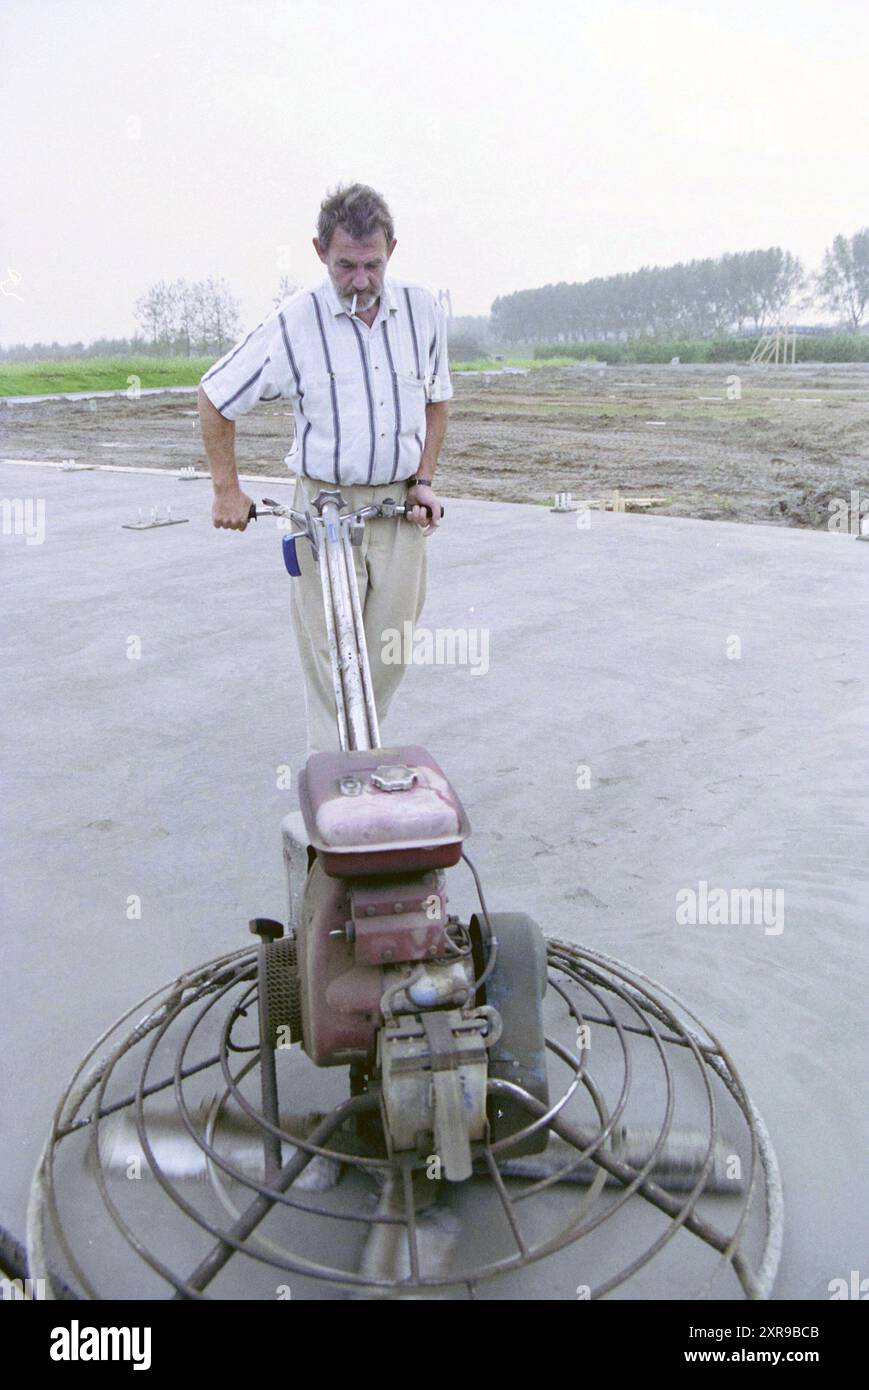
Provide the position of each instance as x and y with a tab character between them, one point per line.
363	359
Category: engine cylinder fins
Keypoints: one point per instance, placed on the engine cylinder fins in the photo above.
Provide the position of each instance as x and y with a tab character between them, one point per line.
516	988
280	997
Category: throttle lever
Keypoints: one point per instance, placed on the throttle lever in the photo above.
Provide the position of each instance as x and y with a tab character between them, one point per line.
269	508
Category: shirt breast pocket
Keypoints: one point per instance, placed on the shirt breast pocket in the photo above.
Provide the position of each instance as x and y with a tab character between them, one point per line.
412	401
316	396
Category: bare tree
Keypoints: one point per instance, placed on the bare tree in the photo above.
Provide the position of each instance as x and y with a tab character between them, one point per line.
186	312
843	281
190	317
222	319
154	313
198	300
286	288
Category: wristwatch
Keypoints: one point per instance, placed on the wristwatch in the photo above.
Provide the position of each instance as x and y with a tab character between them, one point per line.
419	482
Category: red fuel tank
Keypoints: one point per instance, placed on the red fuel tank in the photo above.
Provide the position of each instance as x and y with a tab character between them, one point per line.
381	811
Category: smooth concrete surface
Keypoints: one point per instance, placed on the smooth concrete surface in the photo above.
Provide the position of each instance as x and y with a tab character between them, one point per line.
710	677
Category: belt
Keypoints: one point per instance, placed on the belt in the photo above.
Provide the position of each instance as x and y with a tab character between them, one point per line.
330	482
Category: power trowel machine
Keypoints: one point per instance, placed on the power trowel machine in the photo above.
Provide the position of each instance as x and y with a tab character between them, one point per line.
374	972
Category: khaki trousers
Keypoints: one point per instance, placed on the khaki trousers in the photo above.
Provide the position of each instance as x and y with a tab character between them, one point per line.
391	567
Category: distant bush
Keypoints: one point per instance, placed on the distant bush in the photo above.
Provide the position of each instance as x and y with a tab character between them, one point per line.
464	347
845	347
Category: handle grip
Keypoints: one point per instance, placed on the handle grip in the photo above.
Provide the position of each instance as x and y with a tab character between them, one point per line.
426	508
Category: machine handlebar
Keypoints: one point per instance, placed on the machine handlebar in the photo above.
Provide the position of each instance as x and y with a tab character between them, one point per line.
272	508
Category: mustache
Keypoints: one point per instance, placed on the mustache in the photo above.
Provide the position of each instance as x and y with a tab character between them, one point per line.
359	299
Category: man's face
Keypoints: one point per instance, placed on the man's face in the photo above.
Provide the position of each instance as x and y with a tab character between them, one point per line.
356	267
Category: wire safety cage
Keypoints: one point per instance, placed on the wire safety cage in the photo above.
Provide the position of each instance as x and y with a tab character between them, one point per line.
659	1179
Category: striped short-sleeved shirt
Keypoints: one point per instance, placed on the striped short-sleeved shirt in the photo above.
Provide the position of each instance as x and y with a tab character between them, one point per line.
358	393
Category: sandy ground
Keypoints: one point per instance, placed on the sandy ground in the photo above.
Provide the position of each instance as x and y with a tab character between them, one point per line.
777	453
611	650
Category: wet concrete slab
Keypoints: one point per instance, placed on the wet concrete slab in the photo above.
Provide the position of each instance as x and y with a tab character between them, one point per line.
651	709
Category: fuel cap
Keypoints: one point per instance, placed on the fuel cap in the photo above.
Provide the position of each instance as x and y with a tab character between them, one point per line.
394	777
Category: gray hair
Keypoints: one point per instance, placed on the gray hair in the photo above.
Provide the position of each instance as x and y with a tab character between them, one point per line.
359	210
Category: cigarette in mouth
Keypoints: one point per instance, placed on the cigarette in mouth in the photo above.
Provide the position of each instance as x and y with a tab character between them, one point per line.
353	305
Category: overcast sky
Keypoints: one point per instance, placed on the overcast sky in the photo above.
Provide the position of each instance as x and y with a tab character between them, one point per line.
517	143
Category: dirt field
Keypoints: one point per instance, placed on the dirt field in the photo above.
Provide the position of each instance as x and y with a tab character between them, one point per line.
791	440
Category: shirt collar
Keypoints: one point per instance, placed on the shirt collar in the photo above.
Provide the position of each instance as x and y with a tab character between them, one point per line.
387	299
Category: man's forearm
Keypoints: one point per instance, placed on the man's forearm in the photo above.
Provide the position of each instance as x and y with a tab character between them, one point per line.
231	507
218	438
436	416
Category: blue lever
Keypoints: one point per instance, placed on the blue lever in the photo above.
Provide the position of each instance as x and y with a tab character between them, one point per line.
291	559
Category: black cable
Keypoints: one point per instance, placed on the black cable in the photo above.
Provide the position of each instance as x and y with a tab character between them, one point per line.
493	940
